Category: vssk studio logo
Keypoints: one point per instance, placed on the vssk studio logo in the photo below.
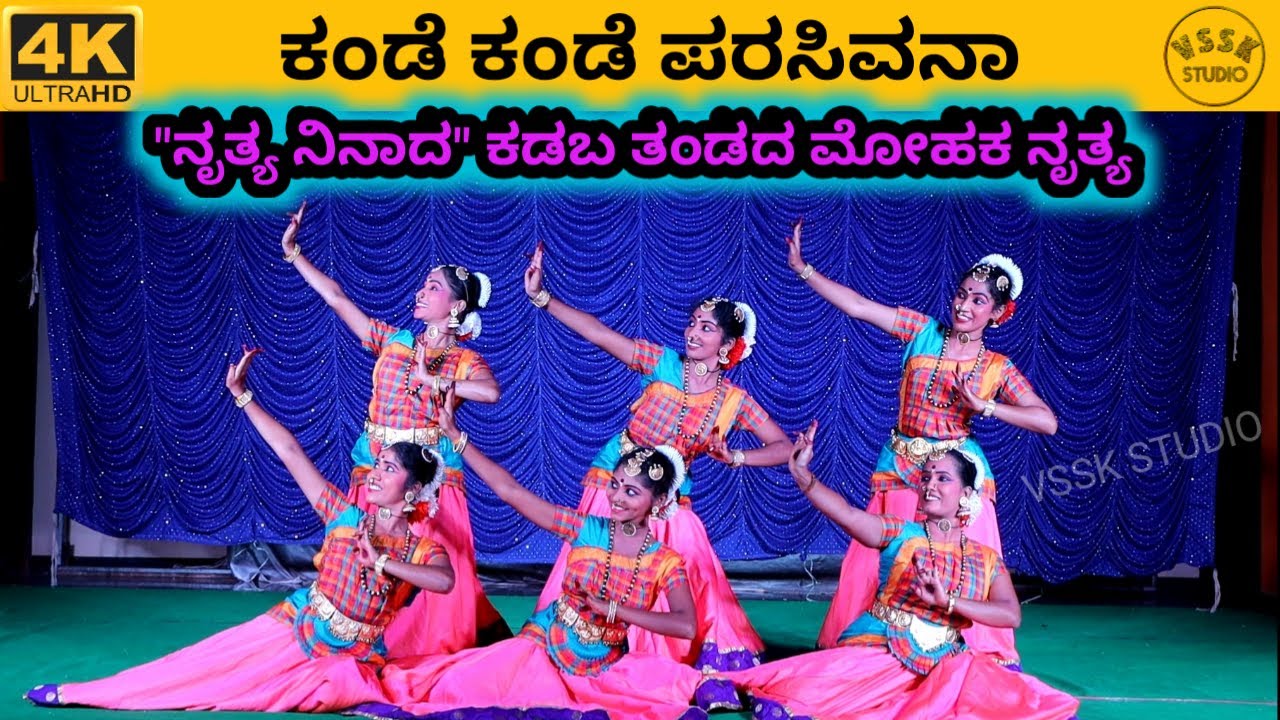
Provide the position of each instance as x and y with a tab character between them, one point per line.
1214	56
80	58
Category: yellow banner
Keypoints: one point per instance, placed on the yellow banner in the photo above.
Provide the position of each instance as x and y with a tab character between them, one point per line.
620	56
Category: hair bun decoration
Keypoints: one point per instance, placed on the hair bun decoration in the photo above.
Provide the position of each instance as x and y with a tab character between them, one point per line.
1009	267
749	327
471	326
431	491
669	504
485	289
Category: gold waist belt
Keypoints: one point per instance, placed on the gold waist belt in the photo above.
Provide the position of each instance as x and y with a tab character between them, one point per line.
342	627
390	436
927	634
587	631
918	450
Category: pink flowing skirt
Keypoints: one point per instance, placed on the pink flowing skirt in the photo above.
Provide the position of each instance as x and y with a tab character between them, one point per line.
725	638
860	577
868	683
253	666
435	624
518	673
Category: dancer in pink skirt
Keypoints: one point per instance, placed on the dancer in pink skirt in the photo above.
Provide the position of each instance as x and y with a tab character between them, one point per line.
688	403
571	660
950	378
409	377
318	650
904	658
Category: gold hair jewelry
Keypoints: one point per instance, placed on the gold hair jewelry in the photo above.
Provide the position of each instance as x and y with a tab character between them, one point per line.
1002	283
655	472
980	272
636	464
461	273
244	398
297	250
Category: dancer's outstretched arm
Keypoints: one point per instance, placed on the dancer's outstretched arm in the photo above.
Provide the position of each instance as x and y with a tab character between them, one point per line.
861	525
278	437
328	288
850	302
538	511
588	326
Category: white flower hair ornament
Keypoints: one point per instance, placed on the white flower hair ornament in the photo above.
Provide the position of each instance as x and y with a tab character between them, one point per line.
430	492
971	503
669	505
748	330
486	288
1010	268
471	327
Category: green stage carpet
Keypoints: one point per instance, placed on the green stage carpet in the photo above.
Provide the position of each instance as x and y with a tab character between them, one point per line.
1126	663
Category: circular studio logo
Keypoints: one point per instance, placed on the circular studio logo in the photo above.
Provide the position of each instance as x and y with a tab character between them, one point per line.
1214	56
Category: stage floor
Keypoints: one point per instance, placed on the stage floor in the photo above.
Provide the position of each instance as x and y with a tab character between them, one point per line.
1125	663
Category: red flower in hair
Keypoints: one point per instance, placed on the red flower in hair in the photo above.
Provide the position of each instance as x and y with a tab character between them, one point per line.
1008	312
735	353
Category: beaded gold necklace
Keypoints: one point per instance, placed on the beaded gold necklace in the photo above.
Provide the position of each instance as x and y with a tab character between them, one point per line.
928	392
432	367
375	589
684	406
635	571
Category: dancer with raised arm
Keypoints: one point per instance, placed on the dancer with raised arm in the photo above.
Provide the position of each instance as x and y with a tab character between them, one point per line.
572	656
317	651
410	373
904	657
689	403
950	379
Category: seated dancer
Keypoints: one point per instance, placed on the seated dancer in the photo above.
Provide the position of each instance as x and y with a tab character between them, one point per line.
688	403
318	650
407	380
950	378
572	656
905	657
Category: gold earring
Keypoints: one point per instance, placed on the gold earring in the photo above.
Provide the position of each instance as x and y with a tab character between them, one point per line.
453	317
724	355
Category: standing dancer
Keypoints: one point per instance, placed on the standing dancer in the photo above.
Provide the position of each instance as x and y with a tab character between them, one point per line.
409	377
949	379
687	402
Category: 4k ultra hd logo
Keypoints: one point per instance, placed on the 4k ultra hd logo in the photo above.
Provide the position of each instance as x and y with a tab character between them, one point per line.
1214	56
77	58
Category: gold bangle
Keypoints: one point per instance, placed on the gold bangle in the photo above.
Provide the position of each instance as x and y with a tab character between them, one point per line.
244	398
541	299
297	250
806	272
989	409
461	445
951	604
738	460
613	612
813	480
435	384
380	564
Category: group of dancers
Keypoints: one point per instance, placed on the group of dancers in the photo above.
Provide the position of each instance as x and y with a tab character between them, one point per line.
637	619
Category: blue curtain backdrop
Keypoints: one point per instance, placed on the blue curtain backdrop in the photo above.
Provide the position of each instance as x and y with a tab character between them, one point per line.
1123	329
